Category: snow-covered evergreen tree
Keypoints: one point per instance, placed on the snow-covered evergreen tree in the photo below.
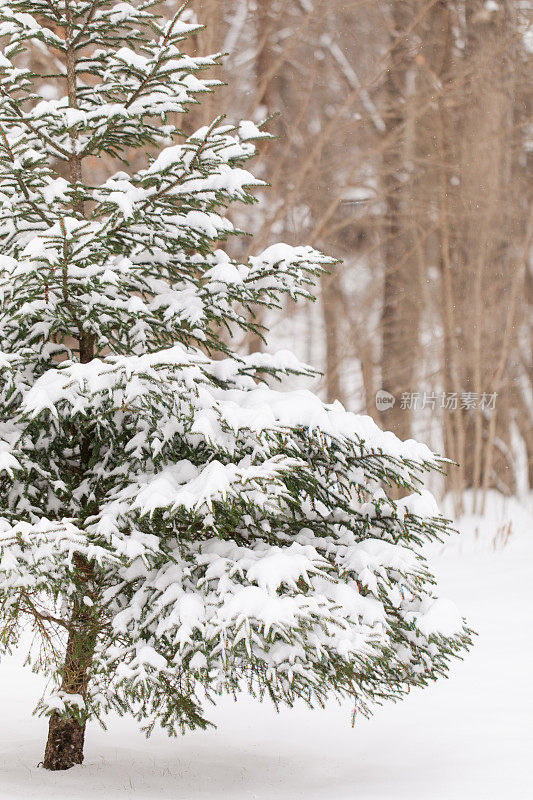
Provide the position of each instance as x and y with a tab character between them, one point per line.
170	525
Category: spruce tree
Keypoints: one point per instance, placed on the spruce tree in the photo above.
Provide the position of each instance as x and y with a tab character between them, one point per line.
172	525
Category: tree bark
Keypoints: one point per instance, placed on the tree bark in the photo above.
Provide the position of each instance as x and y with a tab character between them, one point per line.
66	734
266	18
400	318
331	309
64	748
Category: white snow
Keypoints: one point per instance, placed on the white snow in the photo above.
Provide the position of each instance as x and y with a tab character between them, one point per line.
55	190
440	616
249	130
467	738
131	58
214	481
8	462
423	504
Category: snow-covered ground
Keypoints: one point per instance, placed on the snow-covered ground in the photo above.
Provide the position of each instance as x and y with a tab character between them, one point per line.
465	738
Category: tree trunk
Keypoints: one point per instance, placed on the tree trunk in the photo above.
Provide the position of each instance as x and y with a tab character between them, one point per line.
64	748
331	310
266	26
400	318
66	734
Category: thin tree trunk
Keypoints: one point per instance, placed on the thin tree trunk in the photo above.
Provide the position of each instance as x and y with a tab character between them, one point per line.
400	319
66	734
331	308
266	18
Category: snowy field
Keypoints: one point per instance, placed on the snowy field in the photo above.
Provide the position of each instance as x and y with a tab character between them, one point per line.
468	737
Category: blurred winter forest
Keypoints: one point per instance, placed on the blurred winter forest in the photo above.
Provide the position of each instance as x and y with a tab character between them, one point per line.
404	148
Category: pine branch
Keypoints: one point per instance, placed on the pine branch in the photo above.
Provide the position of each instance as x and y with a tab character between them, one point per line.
58	152
20	181
79	36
